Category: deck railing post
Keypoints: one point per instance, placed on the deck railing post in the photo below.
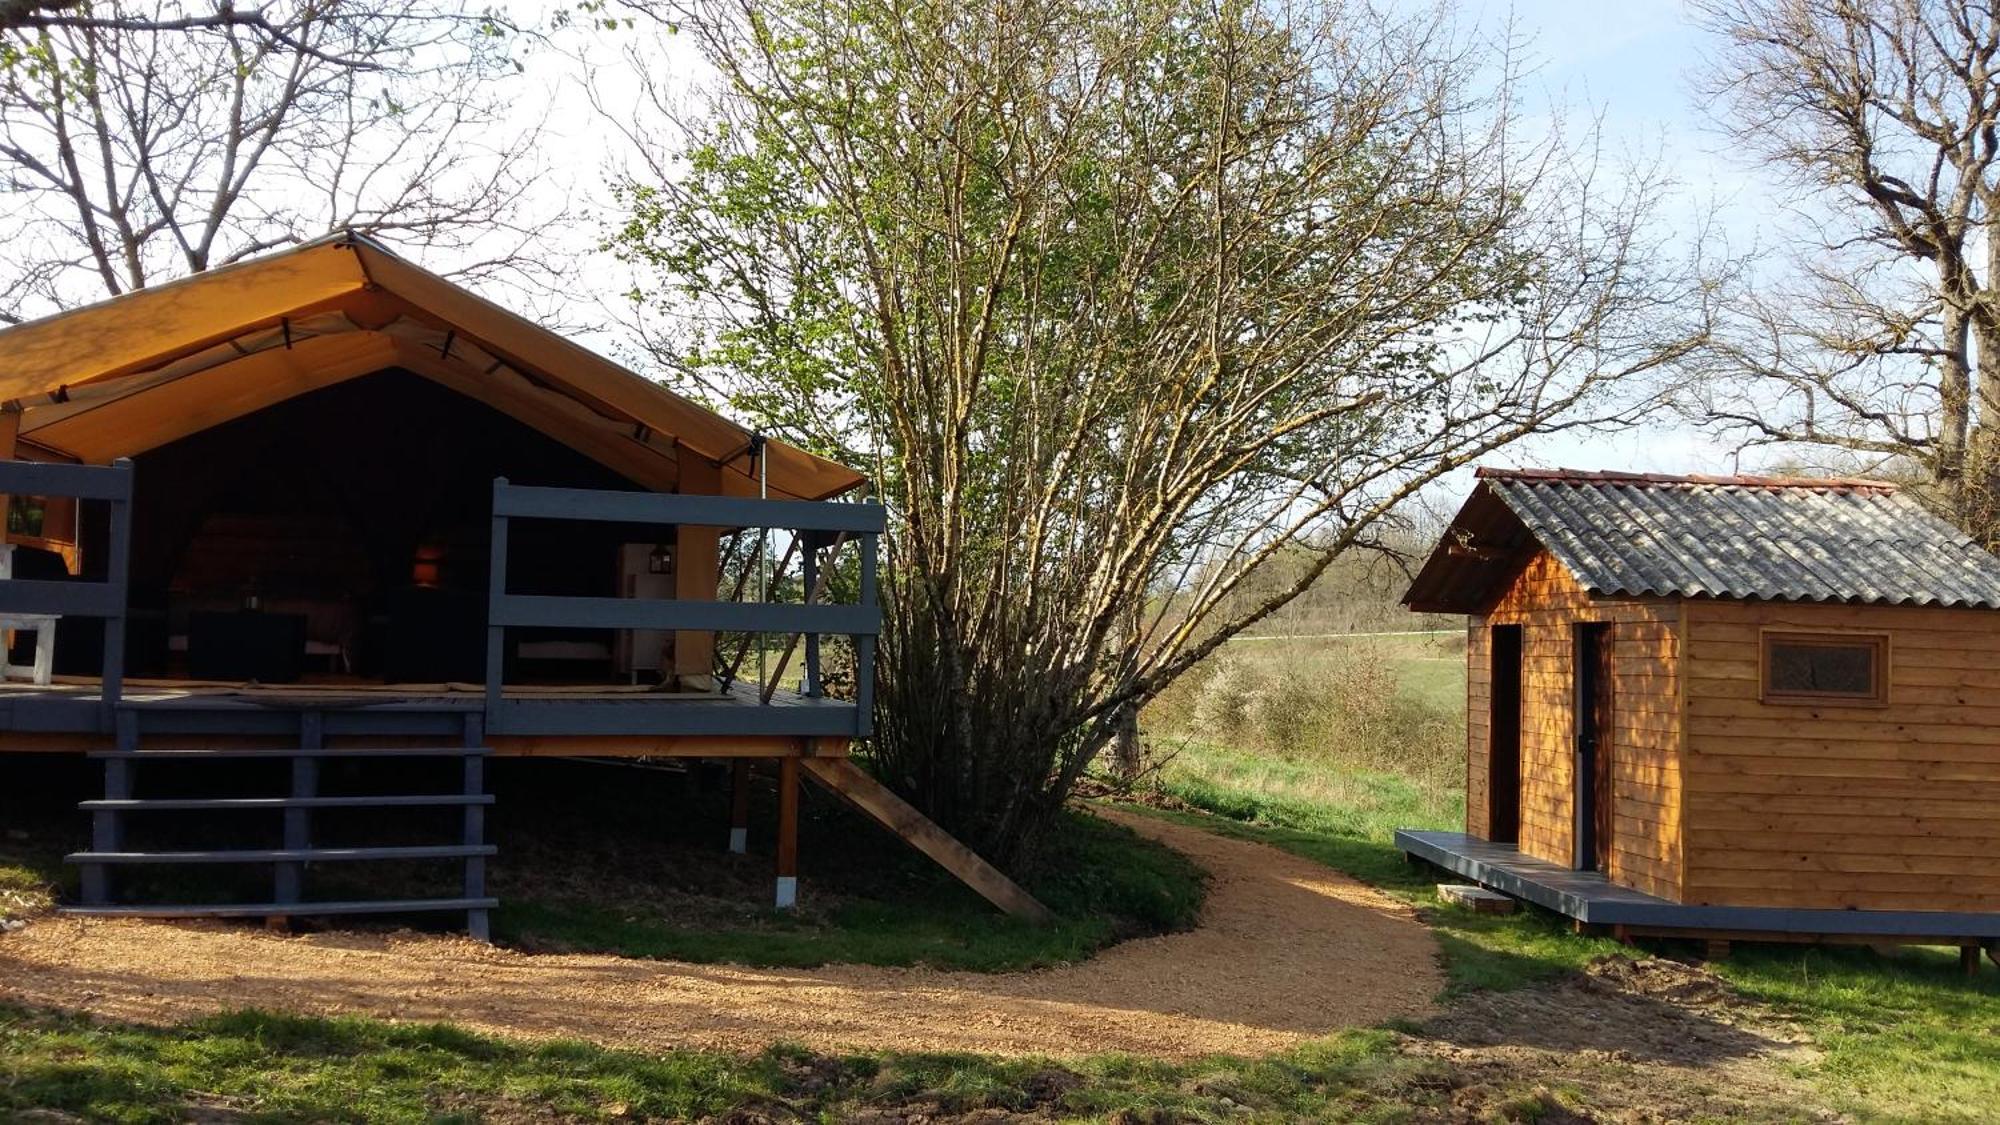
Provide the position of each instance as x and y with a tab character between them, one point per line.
118	577
496	633
864	646
810	577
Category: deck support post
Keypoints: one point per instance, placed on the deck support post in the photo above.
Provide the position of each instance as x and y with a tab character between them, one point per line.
739	806
107	830
478	922
289	882
788	833
1715	949
1968	960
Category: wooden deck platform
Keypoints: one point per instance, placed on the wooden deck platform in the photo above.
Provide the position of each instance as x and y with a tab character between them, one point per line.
1593	900
71	714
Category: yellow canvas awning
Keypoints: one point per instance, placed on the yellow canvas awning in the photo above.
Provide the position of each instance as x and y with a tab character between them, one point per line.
132	373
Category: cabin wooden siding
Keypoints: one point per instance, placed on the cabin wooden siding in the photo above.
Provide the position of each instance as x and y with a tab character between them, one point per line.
1646	747
1891	806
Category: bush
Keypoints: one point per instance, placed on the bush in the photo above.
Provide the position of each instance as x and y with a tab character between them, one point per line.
1349	704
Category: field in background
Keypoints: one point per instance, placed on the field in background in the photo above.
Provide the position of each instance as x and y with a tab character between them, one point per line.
1283	730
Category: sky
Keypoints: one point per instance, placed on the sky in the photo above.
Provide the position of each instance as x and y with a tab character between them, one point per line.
1632	62
1628	62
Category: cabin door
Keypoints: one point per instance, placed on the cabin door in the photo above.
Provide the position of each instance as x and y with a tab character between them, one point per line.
1503	753
1593	746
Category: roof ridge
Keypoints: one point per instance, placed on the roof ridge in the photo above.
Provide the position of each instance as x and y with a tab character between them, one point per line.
1614	476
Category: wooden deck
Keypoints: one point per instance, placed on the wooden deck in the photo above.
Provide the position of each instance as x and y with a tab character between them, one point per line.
1591	899
71	715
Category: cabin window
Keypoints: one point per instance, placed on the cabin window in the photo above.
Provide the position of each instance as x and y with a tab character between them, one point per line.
1825	668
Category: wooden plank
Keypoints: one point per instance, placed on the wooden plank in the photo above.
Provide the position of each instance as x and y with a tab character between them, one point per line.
852	783
544	611
268	909
285	855
703	510
225	804
219	753
84	482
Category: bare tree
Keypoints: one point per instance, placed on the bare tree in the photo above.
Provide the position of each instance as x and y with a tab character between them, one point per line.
143	140
81	14
1874	336
1123	302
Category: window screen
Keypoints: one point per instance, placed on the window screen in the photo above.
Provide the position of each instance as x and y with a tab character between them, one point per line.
1806	667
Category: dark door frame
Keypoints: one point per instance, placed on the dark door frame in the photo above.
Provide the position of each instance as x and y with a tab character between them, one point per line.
1503	735
1591	718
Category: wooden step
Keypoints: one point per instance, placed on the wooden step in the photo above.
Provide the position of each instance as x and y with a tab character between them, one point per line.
142	804
273	909
346	752
289	855
1478	899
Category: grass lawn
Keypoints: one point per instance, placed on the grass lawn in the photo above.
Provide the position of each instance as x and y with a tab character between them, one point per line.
274	1067
1903	1036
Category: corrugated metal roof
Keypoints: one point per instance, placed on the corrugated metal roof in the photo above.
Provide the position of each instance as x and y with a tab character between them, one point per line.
1775	539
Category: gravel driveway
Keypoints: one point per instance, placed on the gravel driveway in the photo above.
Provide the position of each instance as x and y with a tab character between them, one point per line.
1286	950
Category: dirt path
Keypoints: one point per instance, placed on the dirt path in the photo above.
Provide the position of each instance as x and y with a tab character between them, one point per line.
1287	950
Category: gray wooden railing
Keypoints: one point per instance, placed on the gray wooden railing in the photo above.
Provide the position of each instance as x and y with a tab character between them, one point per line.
107	599
807	716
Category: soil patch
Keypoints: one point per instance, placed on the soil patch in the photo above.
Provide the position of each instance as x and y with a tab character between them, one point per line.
1287	950
1647	1040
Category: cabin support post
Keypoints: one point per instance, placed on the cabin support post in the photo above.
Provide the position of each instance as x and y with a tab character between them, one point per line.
697	553
739	806
1968	959
788	833
107	830
478	923
289	881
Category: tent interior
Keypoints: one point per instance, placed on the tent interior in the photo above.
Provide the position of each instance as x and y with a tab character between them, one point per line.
343	536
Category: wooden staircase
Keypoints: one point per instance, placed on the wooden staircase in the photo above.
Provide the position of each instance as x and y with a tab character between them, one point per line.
291	861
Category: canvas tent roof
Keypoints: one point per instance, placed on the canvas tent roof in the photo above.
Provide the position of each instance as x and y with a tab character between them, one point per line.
134	372
1762	538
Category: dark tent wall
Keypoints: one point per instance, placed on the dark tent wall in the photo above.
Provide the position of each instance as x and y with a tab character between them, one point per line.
364	508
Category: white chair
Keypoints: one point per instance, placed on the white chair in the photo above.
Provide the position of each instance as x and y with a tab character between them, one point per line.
42	625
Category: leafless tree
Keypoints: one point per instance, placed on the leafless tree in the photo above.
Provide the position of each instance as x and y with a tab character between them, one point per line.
1873	335
81	15
144	139
1124	302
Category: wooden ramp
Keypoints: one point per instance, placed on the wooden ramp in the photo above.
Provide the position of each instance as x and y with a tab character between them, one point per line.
854	785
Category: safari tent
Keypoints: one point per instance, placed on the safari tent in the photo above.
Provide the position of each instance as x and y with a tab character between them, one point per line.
1715	705
326	504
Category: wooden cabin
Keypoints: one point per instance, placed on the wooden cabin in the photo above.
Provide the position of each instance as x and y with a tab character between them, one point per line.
326	503
1725	704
